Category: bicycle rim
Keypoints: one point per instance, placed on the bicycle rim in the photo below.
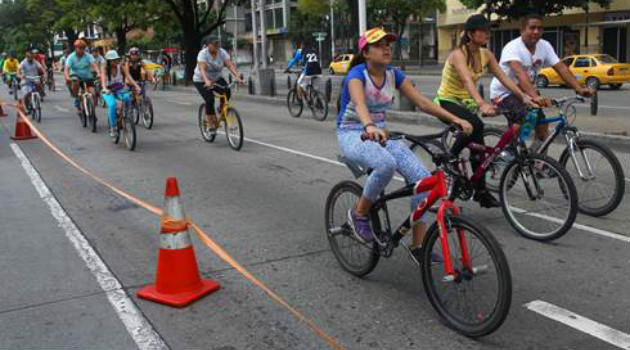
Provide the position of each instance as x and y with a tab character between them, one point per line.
320	107
600	189
147	117
129	131
91	114
474	303
234	129
38	111
294	104
355	257
543	214
83	113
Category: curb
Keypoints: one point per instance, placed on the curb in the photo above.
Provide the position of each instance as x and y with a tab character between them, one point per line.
420	118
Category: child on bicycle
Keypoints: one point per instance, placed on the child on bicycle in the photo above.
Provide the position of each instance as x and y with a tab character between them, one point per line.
367	93
31	73
114	92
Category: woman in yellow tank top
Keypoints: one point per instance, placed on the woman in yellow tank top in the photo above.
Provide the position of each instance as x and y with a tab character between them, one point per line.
458	93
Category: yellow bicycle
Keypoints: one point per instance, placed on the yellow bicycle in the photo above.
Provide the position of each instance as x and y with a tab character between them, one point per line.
228	115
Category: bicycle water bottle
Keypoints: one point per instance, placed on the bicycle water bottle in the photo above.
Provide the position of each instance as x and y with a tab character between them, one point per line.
526	128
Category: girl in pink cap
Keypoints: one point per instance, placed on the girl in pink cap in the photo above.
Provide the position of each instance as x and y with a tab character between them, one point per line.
367	93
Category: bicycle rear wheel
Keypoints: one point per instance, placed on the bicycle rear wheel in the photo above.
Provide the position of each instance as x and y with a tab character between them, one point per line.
474	303
491	137
538	197
294	103
15	89
601	189
355	257
234	129
207	134
319	106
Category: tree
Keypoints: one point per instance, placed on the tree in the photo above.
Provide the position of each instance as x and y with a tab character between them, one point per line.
398	13
197	21
515	9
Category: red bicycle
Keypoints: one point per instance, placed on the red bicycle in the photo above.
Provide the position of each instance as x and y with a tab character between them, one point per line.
471	288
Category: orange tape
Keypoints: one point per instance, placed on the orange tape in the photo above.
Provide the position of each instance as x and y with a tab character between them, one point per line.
216	248
170	225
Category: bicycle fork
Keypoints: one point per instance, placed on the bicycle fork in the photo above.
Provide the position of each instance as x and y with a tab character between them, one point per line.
573	148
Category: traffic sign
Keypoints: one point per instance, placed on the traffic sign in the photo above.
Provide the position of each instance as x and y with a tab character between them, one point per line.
320	36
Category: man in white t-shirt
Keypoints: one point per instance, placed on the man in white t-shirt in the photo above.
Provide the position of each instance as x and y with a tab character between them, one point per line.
522	59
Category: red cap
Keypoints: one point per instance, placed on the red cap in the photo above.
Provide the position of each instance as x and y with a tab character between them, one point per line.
172	190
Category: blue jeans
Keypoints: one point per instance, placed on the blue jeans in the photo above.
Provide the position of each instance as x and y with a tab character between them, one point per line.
110	100
383	161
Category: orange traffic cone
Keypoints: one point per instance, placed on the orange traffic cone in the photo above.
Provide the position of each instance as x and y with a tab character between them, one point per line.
177	281
22	130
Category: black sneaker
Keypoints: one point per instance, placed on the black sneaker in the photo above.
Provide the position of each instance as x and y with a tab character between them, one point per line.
486	199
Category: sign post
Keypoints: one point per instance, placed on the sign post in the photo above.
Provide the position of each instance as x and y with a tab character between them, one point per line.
319	37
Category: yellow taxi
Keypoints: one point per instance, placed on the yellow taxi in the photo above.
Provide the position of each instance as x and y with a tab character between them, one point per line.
151	66
340	64
594	70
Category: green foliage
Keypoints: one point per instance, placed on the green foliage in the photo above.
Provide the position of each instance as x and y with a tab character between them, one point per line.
515	9
316	8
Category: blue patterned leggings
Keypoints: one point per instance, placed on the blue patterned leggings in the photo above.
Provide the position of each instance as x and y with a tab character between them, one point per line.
383	161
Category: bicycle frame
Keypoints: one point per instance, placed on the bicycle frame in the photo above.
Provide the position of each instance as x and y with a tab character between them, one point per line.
489	153
436	184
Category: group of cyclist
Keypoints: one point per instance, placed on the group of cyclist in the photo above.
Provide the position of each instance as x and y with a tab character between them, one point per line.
369	88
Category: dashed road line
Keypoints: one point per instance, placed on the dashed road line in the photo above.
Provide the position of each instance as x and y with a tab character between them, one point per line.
582	324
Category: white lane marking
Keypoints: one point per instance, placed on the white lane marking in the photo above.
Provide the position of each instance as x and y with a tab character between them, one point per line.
576	225
179	102
61	109
138	327
583	324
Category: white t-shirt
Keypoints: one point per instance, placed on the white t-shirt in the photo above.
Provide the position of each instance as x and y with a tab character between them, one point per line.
214	64
515	50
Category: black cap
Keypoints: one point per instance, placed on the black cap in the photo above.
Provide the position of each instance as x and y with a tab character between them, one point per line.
211	39
475	22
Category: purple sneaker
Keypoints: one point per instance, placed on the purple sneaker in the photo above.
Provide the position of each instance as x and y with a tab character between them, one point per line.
360	226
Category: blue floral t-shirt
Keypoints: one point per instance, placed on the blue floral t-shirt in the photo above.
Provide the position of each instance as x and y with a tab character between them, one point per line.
378	99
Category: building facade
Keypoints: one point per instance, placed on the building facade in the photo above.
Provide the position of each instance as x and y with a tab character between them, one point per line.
599	30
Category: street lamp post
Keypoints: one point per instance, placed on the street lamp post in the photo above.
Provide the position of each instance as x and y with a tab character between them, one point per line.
254	36
263	33
332	31
362	17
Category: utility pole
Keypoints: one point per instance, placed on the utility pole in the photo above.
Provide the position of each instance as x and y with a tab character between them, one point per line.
235	41
362	17
263	33
255	36
332	31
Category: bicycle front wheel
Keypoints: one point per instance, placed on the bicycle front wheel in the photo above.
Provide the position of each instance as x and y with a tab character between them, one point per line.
538	197
355	257
147	115
294	103
129	129
91	114
234	129
37	109
319	106
474	301
598	177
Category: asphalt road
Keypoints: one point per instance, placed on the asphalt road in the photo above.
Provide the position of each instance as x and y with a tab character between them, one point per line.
265	206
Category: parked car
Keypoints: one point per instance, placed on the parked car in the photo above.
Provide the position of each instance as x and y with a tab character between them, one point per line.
151	66
340	64
594	70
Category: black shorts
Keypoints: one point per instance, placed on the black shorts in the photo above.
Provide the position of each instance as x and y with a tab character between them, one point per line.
519	114
88	82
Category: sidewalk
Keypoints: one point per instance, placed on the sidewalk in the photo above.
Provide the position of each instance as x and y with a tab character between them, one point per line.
48	297
593	127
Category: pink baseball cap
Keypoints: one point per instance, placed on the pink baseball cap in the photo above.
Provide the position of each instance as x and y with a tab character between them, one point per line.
374	35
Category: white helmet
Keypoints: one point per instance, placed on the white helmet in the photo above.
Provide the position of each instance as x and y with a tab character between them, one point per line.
112	55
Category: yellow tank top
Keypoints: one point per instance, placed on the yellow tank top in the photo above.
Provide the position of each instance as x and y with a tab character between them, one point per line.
452	87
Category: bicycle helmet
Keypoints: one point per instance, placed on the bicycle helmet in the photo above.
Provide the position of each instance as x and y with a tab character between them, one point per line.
134	51
112	55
